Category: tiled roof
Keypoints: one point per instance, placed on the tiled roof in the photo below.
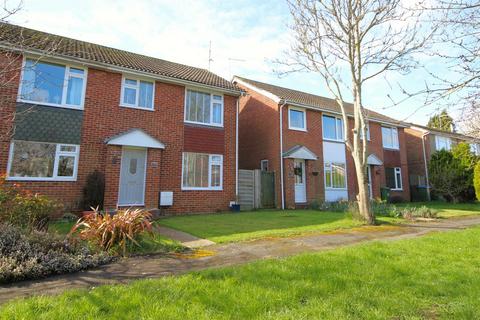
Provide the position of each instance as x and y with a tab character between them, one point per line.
312	100
24	38
446	133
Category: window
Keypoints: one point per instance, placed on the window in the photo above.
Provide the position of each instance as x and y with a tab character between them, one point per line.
332	128
335	177
297	119
202	171
443	143
264	165
368	133
475	148
394	178
204	108
52	84
390	138
43	161
137	93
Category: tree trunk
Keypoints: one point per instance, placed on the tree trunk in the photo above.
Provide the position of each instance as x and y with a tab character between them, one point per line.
363	198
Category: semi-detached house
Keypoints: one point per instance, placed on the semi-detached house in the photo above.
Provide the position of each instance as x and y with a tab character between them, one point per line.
299	136
158	130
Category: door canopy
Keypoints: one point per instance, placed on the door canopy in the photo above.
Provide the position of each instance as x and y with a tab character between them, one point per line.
374	160
135	138
300	152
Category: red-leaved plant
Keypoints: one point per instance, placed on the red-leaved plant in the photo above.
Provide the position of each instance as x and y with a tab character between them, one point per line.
109	231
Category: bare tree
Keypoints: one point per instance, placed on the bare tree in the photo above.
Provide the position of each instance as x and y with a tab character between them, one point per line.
349	42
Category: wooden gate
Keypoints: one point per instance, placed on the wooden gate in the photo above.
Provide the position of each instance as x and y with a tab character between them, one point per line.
267	189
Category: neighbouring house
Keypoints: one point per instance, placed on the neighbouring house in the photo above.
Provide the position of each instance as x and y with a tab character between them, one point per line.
299	136
422	142
164	134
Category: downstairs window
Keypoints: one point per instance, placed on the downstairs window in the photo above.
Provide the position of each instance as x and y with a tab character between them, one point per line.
202	171
43	161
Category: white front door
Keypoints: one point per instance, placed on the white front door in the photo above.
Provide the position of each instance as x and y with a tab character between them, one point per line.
369	175
132	177
299	172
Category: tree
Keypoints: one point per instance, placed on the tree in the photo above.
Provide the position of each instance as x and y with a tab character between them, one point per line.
441	121
476	180
448	176
468	160
349	42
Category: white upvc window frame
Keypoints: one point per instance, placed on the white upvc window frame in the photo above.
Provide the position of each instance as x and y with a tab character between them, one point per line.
67	66
337	139
475	148
330	172
212	101
395	139
262	162
58	154
398	182
448	141
211	162
304	112
137	94
368	133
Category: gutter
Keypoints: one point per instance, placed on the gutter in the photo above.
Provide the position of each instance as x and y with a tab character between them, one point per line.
281	155
109	67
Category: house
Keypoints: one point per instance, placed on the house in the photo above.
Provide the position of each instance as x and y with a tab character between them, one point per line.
422	142
160	132
299	136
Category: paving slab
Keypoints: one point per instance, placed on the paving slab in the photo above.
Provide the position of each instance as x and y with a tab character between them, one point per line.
214	256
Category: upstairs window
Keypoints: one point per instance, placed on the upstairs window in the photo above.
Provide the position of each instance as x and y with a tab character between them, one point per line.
332	128
297	119
43	161
204	108
137	94
368	133
390	138
393	178
443	143
52	84
475	148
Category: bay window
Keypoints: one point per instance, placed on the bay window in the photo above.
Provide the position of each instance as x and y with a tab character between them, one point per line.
137	93
202	171
52	84
43	161
390	138
204	108
335	177
332	128
394	178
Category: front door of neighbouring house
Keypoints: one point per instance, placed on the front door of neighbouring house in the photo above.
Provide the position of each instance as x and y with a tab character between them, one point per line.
299	172
369	175
132	177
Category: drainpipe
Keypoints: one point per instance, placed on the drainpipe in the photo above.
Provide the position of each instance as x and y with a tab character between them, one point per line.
236	150
281	154
426	166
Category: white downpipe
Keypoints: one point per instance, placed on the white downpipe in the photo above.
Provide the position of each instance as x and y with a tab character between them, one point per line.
426	165
281	155
236	149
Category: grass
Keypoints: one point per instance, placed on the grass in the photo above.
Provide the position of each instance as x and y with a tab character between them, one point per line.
230	227
449	210
433	277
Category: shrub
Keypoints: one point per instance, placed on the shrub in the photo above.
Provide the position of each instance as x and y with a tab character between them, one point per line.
335	206
25	209
39	254
476	180
411	213
93	191
117	231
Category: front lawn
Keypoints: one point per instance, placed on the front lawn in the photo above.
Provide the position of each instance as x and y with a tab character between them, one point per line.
449	210
228	227
433	277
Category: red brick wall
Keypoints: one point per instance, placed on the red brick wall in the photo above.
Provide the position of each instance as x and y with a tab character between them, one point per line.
202	139
104	118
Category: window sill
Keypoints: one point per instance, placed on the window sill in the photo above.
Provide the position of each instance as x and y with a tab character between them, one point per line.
392	149
33	179
336	189
396	189
134	107
297	129
48	104
204	124
333	140
201	189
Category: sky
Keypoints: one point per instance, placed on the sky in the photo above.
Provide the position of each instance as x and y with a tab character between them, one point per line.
246	38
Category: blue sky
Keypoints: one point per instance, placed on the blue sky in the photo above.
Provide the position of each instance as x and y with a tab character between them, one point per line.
246	36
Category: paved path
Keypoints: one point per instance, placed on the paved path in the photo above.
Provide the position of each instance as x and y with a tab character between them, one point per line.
223	255
184	238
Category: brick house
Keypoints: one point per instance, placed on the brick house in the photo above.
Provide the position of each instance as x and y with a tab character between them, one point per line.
158	130
422	142
299	136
